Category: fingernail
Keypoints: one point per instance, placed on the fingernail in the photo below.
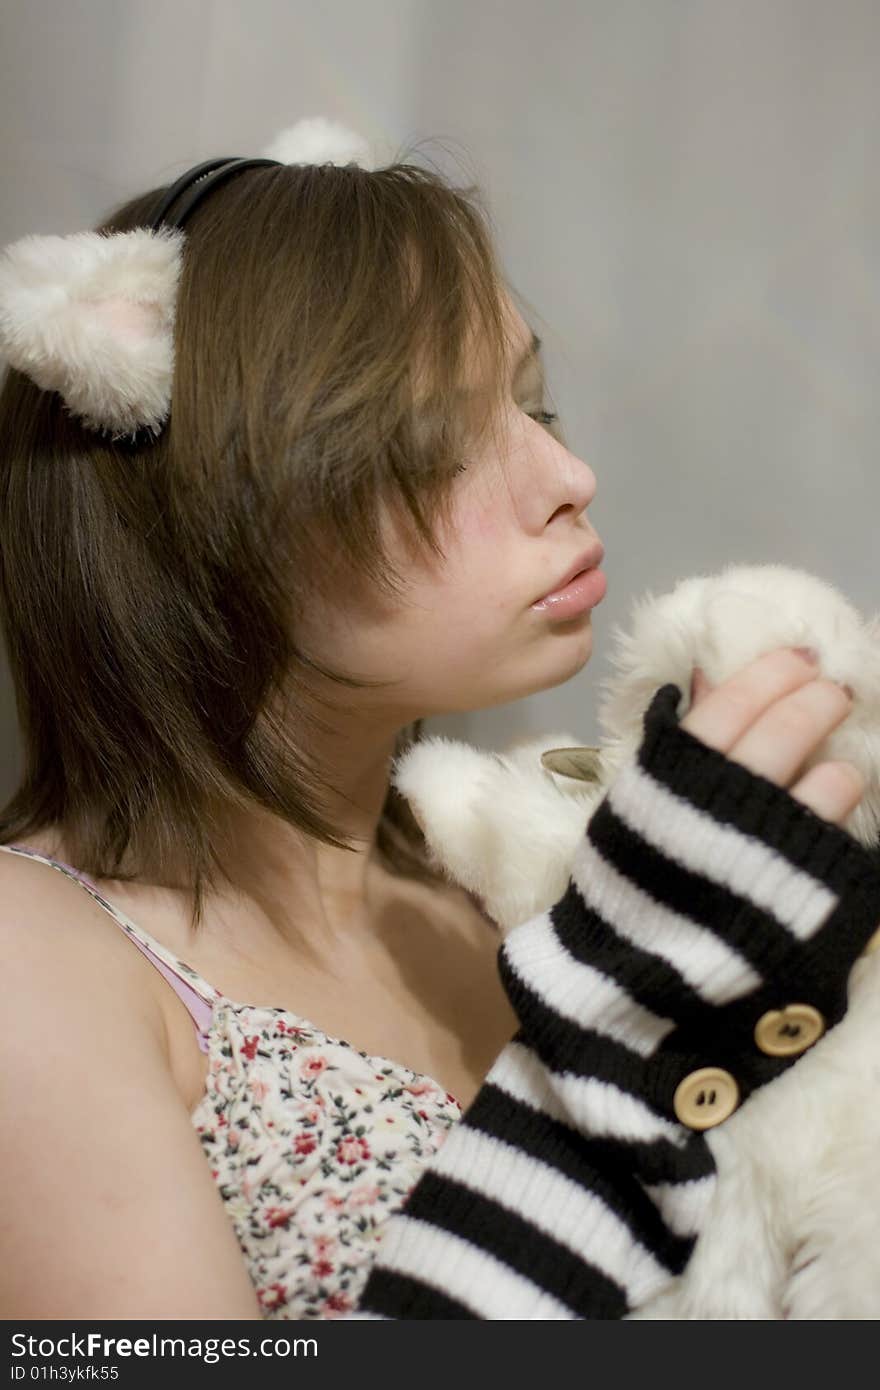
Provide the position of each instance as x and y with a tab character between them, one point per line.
808	653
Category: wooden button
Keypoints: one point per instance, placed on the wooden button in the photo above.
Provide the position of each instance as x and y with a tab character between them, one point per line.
705	1098
786	1032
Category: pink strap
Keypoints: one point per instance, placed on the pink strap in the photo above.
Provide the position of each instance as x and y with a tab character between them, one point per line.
199	1009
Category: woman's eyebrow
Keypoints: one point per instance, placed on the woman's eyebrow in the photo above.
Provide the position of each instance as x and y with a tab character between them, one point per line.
529	355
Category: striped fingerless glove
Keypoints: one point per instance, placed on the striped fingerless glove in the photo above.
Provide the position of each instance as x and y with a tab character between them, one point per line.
702	898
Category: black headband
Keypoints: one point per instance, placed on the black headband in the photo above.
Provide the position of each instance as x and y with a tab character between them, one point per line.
205	177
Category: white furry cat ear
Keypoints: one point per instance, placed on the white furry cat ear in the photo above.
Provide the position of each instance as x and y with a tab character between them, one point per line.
317	140
91	316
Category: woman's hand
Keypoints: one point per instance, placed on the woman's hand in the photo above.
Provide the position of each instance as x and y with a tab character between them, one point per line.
770	717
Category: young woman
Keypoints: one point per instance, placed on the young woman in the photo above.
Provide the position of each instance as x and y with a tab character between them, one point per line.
221	632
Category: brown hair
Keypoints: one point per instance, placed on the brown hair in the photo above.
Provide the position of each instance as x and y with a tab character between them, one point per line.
148	588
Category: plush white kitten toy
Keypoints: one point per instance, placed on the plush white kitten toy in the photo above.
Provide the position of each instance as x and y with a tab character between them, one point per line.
793	1227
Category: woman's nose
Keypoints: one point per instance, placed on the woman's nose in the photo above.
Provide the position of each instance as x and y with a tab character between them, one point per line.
583	482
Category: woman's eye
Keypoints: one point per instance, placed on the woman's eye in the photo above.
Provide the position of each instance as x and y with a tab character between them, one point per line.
543	417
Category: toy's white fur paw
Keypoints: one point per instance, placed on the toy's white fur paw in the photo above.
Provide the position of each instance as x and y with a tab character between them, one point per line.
499	824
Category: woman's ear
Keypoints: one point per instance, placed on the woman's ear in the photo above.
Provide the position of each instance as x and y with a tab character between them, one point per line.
582	764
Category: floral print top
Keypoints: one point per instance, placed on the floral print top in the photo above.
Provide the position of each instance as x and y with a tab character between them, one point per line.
312	1143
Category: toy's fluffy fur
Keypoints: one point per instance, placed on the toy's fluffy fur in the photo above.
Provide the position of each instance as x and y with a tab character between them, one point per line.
793	1226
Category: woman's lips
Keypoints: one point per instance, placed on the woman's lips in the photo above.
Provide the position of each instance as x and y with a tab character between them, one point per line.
581	594
590	559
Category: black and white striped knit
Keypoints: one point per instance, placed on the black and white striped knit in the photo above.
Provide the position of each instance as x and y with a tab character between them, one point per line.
701	896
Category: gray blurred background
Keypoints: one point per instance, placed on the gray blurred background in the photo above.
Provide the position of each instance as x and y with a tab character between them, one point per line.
683	190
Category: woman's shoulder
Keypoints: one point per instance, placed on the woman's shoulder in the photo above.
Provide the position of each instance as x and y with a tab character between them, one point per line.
59	940
40	898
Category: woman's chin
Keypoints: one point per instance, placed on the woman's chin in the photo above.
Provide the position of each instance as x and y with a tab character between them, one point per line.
564	657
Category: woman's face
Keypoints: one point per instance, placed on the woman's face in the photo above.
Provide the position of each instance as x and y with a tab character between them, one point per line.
464	634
